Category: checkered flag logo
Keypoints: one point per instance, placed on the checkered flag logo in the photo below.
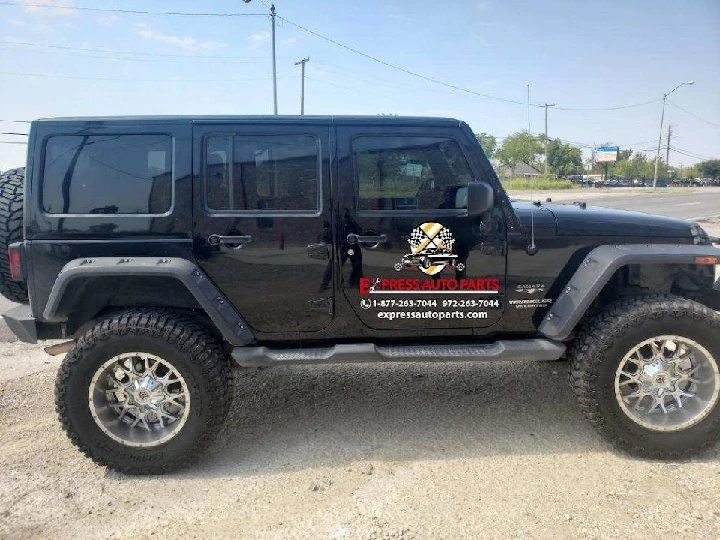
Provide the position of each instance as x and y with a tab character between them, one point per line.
431	246
447	239
416	238
431	236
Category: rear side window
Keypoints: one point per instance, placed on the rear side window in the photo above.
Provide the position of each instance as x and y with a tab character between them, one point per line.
107	174
410	173
262	173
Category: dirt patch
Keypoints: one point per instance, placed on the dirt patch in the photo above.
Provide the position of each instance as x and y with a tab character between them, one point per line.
371	451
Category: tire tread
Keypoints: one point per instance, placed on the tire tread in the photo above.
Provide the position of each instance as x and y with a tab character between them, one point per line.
12	186
597	336
177	328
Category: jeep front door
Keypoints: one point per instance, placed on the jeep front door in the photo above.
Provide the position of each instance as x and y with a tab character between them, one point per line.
262	220
411	257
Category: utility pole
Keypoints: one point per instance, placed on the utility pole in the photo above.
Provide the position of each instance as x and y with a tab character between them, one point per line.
302	84
667	155
662	119
528	93
272	17
546	105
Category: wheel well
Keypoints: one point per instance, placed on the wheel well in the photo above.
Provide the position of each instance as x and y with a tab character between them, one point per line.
88	299
694	282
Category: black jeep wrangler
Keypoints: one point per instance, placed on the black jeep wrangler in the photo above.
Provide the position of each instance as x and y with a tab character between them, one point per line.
166	250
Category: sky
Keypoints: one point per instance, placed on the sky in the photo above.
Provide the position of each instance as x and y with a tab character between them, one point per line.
62	61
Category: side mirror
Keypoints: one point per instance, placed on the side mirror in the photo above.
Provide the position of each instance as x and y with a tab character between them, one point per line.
480	198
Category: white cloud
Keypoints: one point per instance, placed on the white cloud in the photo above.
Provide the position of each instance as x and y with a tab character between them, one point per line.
107	20
59	8
187	43
16	22
289	41
483	4
259	37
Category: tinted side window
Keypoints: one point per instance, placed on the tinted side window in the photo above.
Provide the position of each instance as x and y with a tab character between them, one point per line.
108	174
262	173
410	173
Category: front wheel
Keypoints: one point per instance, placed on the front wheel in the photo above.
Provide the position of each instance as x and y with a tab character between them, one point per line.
144	392
646	372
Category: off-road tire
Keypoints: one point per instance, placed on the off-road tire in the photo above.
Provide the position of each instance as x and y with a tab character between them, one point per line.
173	335
12	185
600	347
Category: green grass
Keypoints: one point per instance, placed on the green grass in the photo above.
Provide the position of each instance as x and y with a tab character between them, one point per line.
539	183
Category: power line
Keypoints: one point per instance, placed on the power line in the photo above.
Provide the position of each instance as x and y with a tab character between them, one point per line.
14	133
115	79
399	68
13	142
693	114
450	85
329	40
618	108
199	59
133	11
116	51
688	153
17	121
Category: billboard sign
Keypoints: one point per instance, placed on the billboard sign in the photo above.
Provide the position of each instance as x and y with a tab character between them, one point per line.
606	154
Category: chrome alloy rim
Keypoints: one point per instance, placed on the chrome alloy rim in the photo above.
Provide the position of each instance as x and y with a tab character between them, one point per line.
139	399
667	383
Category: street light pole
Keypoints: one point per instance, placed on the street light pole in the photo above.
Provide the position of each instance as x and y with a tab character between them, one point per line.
662	119
302	84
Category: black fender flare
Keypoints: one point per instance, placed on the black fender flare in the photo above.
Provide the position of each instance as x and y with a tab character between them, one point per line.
228	321
597	269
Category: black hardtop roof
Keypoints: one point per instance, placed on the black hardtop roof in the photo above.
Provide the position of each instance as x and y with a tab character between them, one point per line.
280	119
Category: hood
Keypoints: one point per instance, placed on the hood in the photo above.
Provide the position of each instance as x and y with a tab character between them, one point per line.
574	220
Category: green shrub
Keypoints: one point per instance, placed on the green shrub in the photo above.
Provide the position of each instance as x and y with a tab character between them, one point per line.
539	183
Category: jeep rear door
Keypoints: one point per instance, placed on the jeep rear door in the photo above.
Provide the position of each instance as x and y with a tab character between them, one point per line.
411	258
262	219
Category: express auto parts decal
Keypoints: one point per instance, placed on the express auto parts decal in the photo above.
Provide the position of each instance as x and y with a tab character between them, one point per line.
431	252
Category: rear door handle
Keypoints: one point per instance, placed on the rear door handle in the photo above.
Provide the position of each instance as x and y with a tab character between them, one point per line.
216	239
353	238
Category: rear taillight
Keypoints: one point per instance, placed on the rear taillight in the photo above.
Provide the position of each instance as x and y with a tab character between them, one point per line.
15	260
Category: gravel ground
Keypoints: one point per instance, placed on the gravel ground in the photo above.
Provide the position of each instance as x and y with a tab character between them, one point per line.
358	451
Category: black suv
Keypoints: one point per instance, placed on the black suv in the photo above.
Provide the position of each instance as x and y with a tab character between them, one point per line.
167	249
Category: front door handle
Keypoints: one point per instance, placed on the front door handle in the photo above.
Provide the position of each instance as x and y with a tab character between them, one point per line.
353	238
216	239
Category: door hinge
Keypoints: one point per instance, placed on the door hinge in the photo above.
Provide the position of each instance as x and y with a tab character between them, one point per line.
322	304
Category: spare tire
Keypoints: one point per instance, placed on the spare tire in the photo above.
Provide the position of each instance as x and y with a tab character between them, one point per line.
12	189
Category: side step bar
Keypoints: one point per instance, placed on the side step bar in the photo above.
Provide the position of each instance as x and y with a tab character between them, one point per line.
525	349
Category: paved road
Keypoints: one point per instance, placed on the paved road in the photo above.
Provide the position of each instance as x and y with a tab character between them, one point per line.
694	205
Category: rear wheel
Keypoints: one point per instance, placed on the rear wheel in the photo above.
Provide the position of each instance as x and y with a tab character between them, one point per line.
12	183
646	372
144	392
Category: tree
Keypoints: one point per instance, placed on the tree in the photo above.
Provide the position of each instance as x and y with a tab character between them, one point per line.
521	147
488	143
691	172
709	168
563	159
